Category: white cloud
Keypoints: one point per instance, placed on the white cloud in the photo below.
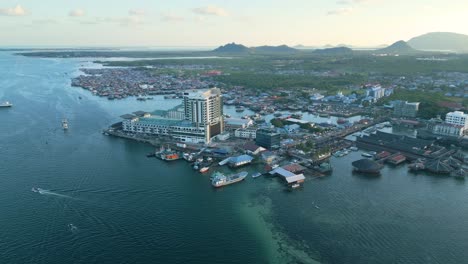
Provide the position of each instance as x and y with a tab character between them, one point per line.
169	17
340	11
18	10
136	12
45	21
210	11
77	13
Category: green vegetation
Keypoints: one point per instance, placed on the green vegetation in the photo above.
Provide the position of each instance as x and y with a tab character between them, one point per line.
307	146
430	102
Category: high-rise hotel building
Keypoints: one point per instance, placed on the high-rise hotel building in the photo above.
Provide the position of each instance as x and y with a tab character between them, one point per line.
204	108
200	121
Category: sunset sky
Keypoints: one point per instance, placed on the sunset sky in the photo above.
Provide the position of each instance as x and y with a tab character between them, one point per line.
212	23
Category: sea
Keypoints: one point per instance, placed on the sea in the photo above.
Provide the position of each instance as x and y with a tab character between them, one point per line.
101	200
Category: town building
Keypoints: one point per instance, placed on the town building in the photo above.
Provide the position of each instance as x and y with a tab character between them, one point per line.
405	109
236	123
457	118
202	119
446	129
248	133
268	139
204	108
374	93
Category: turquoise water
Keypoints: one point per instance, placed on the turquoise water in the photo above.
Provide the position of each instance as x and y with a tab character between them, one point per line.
126	208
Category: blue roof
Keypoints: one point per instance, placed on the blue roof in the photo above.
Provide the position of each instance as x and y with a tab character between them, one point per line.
241	158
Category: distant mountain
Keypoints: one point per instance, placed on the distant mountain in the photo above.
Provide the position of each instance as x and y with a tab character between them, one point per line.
334	51
399	47
443	41
281	48
232	48
239	48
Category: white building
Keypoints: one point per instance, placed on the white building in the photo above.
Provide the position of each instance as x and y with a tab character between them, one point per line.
447	129
180	130
248	133
375	92
204	108
457	118
202	119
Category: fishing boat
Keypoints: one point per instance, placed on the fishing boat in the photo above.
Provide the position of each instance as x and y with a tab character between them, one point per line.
353	148
65	124
367	155
219	179
204	169
239	108
167	154
6	104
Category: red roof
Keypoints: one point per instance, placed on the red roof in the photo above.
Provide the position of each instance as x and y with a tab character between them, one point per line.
398	158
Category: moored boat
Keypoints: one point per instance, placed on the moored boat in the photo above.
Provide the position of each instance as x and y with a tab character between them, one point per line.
219	179
255	175
204	169
167	154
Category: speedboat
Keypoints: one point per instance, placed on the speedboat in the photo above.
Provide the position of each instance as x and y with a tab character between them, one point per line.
255	175
6	104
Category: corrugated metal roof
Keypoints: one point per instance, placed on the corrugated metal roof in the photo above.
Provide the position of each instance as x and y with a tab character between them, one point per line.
241	158
295	178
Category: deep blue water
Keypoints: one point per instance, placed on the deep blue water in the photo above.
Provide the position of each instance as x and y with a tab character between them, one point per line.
131	209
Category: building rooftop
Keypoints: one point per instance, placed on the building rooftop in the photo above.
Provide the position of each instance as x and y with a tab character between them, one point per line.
165	121
241	158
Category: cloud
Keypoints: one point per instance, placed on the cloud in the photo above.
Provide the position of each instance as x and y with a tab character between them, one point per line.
341	11
122	21
77	13
169	17
210	11
45	21
136	12
13	11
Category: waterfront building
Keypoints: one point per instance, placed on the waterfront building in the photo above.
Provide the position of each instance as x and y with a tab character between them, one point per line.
204	108
252	148
405	109
180	130
201	120
240	160
288	176
248	133
268	139
236	123
447	129
457	118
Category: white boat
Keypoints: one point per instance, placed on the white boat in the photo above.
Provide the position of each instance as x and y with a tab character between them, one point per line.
65	124
295	186
255	175
204	169
354	148
367	155
6	104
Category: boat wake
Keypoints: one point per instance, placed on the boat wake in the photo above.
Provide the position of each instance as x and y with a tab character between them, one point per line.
47	192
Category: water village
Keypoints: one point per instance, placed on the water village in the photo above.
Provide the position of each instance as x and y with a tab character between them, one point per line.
290	145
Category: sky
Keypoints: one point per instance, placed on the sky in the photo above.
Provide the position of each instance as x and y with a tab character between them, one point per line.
140	23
